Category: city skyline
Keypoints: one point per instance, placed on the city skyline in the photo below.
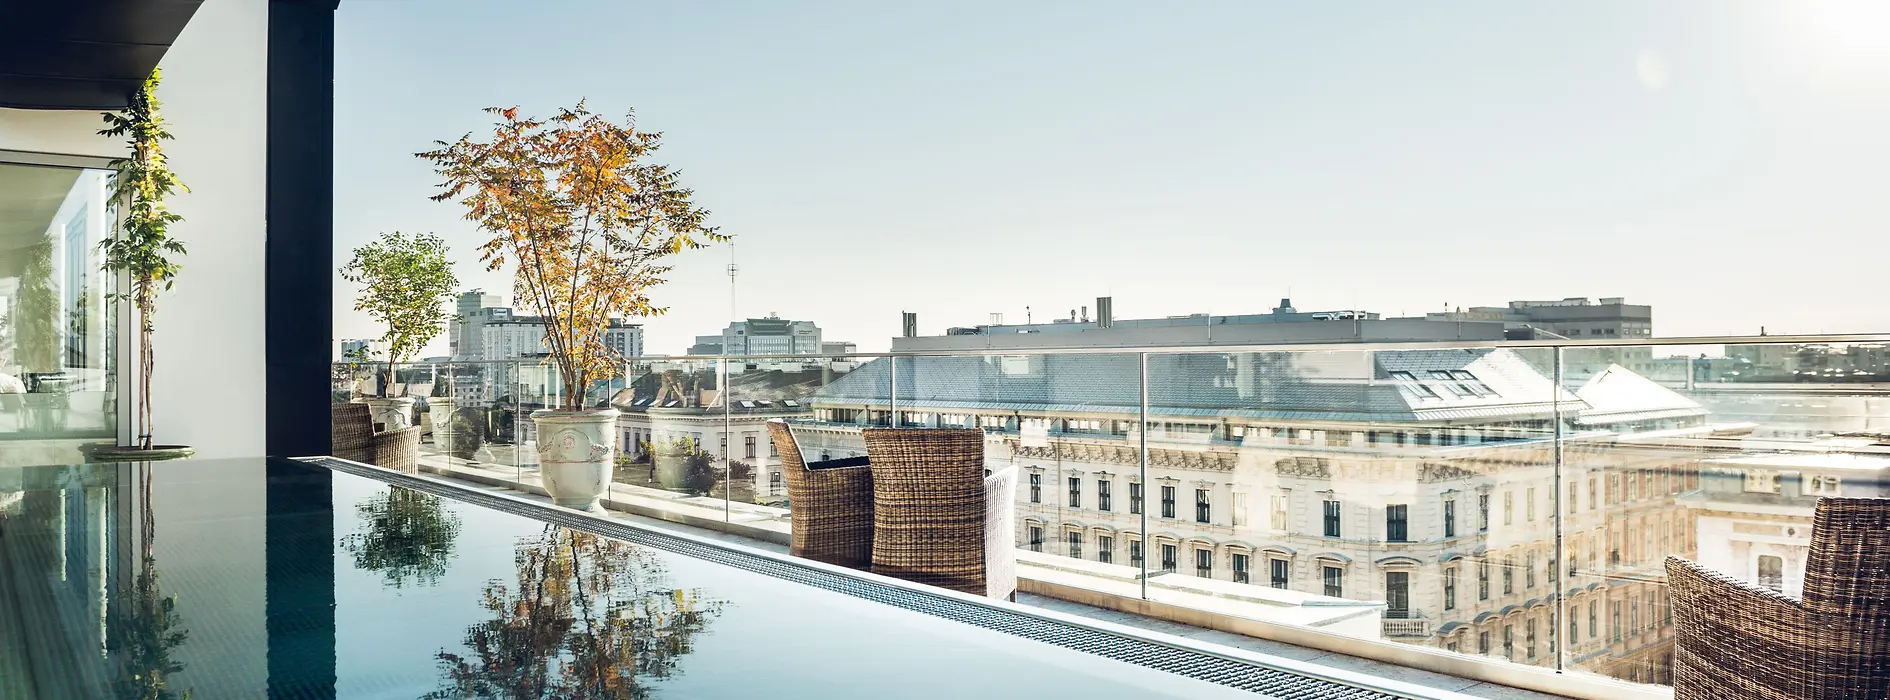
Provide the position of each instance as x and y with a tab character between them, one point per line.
872	160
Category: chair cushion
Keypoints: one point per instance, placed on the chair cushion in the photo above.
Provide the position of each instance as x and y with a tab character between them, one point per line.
840	463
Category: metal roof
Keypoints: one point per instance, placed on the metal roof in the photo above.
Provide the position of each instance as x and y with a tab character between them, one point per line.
1351	386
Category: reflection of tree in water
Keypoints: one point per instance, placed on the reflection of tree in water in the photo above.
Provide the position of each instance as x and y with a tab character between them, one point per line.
590	618
142	624
407	536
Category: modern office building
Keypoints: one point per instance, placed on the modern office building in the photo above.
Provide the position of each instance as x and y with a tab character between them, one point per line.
462	331
771	335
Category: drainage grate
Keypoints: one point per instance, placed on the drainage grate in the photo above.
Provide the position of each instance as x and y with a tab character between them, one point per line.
1234	673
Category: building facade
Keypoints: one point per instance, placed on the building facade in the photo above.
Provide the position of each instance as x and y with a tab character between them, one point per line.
768	336
1423	479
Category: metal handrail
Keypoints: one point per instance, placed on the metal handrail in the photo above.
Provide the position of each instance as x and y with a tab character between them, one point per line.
1228	349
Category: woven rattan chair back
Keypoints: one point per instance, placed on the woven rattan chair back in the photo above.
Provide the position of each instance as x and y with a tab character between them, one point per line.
829	510
929	506
1736	640
351	432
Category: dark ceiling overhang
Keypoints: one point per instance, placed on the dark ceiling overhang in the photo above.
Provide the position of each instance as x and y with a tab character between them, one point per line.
84	54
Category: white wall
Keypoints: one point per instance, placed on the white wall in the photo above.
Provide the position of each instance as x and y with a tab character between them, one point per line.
209	385
68	133
208	389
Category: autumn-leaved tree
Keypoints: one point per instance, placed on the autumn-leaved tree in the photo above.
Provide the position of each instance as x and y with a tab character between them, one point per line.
406	284
144	249
574	203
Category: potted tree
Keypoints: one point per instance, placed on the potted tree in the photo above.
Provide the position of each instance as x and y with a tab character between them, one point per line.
589	223
143	250
406	283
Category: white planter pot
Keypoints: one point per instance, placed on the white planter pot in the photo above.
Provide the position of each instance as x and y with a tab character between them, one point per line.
391	414
576	455
440	414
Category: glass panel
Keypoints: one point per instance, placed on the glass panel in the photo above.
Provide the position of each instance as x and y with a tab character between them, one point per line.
814	392
58	358
1066	424
1336	472
1717	454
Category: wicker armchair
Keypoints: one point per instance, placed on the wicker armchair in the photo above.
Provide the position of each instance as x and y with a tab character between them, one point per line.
1736	640
352	437
830	510
351	432
937	518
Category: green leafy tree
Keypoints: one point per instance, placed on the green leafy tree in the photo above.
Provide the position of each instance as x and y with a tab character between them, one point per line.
589	221
144	630
407	537
406	283
143	250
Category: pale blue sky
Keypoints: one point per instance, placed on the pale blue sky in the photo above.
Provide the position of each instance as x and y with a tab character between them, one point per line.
1724	161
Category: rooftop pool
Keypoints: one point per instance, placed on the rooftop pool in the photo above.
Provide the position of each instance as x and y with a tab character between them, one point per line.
284	579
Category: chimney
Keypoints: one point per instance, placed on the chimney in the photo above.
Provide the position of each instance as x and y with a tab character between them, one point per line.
1085	313
1105	312
909	324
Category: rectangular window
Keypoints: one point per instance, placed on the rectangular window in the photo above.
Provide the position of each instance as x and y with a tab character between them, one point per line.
1509	575
1509	507
774	482
1240	568
1076	492
1509	642
1102	495
1529	570
1592	500
1574	498
1036	488
1168	501
1411	382
1450	588
1036	538
1279	569
1279	512
1483	512
1334	578
773	451
1529	637
1483	643
1529	505
1204	563
748	446
1397	595
1396	526
1332	518
1169	554
1450	518
1201	510
1772	572
1135	553
1574	630
1105	549
1455	387
1135	499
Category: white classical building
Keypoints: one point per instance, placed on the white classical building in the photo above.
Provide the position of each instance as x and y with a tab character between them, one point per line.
1423	479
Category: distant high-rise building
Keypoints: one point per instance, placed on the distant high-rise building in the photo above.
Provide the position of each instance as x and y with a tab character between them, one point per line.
377	349
462	331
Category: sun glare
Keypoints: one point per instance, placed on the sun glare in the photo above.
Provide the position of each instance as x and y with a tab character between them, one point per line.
1849	28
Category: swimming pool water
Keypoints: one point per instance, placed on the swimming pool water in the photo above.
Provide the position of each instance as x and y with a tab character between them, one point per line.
268	578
